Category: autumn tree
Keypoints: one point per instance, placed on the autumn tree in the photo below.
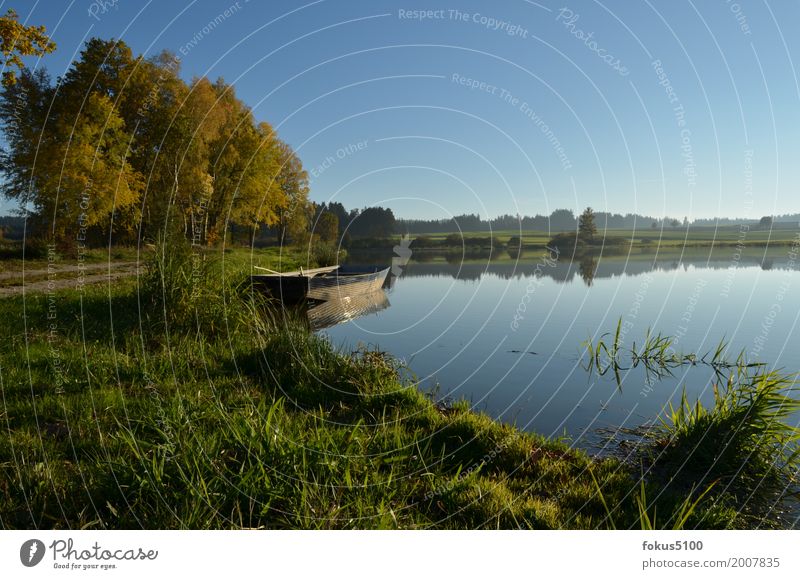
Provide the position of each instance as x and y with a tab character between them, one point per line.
327	227
100	84
23	111
68	155
87	176
71	164
18	40
295	214
245	165
124	144
162	134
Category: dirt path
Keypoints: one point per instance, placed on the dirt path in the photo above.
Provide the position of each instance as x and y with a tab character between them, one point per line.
65	269
56	282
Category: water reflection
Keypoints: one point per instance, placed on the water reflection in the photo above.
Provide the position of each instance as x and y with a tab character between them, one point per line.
346	308
589	267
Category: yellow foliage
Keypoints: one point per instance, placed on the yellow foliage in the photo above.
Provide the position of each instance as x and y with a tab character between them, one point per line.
18	40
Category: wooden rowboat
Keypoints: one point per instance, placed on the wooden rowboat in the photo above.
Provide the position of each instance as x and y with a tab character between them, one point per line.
320	284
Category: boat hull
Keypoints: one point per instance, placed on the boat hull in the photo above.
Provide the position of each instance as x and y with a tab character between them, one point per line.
333	286
342	284
289	290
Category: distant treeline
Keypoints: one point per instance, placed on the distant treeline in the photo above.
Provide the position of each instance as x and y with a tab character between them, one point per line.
380	223
565	220
374	222
11	227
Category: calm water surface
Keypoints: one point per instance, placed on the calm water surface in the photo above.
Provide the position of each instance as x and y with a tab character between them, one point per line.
506	333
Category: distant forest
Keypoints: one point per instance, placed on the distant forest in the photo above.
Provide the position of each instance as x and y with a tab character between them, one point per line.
380	222
565	220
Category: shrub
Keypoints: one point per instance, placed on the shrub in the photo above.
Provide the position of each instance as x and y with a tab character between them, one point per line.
454	239
425	241
567	243
326	254
185	290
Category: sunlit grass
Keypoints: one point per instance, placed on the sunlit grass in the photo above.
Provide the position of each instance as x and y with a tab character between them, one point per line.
744	444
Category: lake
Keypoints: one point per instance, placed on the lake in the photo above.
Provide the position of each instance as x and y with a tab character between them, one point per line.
506	332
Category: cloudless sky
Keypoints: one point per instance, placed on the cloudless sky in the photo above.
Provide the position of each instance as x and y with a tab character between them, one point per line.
658	107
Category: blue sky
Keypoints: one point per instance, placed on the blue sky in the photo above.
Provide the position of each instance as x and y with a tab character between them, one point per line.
671	107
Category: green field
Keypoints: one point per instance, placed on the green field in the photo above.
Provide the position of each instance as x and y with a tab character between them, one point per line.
678	237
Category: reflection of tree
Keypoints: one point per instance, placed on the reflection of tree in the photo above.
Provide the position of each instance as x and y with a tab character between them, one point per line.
515	252
473	264
458	257
495	253
587	269
514	247
424	256
453	258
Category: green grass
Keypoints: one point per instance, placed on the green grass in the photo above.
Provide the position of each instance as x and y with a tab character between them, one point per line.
256	429
744	444
179	402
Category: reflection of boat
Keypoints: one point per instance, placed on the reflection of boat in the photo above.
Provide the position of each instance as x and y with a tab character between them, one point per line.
320	284
345	308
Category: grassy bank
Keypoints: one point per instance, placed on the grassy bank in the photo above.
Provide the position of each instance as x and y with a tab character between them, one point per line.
178	402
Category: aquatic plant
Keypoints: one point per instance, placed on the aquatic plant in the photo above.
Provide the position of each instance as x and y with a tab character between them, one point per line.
658	356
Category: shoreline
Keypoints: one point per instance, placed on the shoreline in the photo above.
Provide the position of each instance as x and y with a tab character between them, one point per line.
181	403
